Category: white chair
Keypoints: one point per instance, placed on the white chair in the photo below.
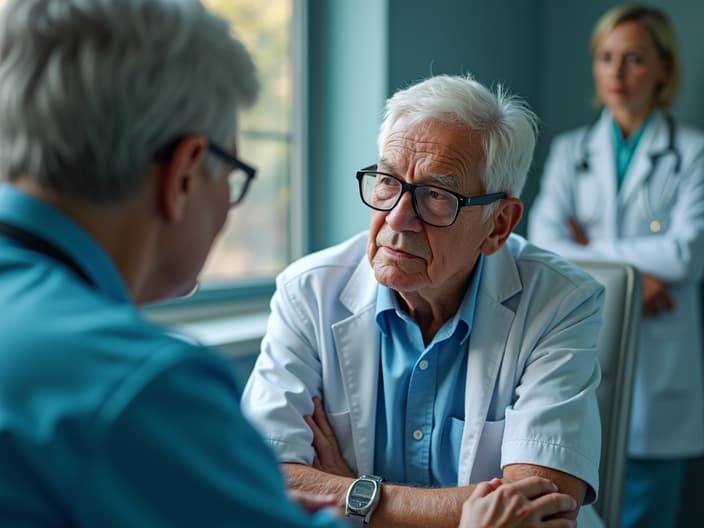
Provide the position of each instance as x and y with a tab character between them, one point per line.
618	344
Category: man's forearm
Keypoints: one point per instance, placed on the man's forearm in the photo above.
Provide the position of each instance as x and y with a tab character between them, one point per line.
400	506
311	480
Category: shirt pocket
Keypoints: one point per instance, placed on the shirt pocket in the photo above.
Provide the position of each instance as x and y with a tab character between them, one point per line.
487	462
341	424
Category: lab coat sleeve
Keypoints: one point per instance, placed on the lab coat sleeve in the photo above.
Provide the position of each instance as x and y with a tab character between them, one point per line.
286	377
554	419
547	220
676	255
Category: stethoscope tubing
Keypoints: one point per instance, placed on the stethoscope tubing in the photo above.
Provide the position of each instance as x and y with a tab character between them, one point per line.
583	166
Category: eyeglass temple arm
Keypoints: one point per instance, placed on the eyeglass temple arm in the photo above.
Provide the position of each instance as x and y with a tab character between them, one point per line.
484	199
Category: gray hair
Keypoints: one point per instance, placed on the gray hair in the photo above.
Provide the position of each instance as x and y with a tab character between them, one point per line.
506	125
91	89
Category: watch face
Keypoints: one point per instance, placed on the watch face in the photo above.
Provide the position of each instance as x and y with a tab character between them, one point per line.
361	494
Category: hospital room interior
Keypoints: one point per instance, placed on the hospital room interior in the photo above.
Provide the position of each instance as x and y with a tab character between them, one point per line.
327	68
338	61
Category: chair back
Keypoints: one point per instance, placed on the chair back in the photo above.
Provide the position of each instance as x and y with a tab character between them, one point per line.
617	348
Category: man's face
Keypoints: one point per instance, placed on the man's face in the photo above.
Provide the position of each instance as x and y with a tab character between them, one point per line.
406	254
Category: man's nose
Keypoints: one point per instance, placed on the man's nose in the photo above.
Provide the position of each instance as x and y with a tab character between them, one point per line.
403	217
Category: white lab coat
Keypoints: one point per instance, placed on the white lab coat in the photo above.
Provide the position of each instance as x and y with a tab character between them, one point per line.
532	370
667	413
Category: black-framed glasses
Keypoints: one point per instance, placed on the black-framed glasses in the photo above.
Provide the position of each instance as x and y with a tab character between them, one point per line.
240	175
435	206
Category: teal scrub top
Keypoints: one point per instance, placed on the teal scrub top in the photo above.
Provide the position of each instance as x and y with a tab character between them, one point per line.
625	149
105	418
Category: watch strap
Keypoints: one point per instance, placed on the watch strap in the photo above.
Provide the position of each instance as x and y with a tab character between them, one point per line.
354	519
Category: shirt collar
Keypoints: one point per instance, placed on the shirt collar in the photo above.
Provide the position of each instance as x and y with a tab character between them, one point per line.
387	305
47	222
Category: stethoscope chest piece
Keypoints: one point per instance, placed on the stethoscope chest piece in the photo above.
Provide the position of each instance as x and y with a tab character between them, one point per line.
655	226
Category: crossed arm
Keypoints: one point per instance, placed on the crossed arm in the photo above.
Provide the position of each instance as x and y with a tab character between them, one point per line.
409	507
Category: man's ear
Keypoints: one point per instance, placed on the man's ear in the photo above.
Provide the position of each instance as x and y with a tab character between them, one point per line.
176	175
506	217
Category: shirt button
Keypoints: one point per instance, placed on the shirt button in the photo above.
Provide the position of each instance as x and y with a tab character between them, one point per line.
418	434
423	365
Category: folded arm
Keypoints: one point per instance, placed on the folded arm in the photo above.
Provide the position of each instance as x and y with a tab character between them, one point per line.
400	506
523	503
674	255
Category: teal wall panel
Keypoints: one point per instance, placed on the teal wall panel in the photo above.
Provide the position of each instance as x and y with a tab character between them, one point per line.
348	78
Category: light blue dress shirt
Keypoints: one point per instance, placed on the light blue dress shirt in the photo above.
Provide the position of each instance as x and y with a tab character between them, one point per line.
624	149
106	419
420	409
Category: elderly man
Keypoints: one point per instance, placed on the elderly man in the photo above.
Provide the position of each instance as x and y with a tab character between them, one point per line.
453	352
117	184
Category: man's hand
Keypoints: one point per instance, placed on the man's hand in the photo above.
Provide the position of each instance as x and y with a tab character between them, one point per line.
577	232
327	450
656	297
524	503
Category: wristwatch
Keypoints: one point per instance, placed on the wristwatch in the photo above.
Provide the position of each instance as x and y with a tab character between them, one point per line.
362	497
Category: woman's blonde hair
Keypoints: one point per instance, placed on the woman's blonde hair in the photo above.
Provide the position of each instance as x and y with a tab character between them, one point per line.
659	27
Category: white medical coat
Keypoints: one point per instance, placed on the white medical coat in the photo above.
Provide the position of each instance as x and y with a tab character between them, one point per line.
667	413
532	369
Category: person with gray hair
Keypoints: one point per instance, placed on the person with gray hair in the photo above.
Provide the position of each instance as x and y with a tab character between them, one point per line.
119	168
437	350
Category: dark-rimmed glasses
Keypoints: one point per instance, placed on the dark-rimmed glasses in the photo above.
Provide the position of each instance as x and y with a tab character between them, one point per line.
434	206
239	177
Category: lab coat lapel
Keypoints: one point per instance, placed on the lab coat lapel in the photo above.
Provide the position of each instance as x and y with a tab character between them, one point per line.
499	282
602	168
654	140
357	344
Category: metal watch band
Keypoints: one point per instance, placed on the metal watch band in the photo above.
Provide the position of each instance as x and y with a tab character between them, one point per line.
356	520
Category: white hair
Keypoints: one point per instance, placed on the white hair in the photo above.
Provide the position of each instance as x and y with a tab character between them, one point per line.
506	125
91	89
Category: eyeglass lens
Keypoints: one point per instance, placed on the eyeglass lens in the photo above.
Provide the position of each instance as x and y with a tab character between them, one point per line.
433	204
238	184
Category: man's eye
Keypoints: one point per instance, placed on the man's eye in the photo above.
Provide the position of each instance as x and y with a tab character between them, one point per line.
436	195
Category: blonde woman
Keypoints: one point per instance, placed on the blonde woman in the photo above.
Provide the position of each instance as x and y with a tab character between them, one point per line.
630	187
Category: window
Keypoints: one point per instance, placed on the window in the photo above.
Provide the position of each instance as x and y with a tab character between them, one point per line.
262	235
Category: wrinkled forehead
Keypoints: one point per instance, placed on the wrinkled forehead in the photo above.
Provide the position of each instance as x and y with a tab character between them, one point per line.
434	148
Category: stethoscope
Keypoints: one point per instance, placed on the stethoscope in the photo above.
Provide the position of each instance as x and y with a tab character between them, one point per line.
654	224
38	244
